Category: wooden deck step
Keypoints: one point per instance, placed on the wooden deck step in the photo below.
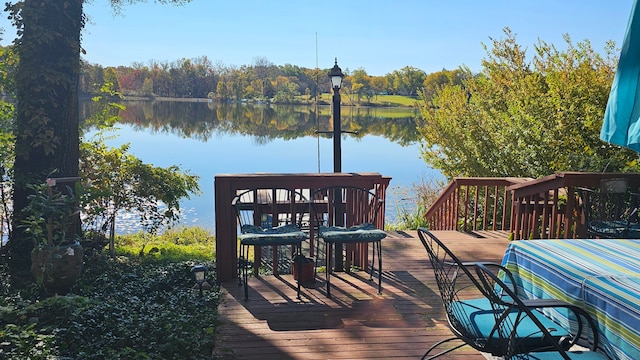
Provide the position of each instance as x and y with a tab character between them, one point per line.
356	323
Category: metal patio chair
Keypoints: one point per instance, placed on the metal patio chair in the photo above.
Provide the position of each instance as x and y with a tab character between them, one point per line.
510	312
270	218
611	211
470	314
346	215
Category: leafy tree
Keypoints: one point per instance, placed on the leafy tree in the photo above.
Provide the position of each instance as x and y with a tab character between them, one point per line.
406	81
160	77
47	130
379	84
521	117
47	109
436	80
111	78
361	84
221	90
118	181
260	72
91	77
147	87
287	91
8	63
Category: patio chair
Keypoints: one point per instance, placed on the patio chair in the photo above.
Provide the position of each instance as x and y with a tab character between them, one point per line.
273	218
509	315
347	215
469	312
611	211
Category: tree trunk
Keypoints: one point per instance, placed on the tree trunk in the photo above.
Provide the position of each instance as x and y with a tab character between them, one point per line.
47	138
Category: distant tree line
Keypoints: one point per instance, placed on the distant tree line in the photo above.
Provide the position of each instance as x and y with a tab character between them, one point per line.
261	80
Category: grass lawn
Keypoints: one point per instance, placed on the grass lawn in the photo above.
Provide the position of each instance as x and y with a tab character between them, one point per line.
378	100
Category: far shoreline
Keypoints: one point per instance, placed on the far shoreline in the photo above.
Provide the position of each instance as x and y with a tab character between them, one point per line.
405	102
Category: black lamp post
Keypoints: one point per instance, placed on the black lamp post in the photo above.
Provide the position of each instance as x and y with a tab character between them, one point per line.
336	76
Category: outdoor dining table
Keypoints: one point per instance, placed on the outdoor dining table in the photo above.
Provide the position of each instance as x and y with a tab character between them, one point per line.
602	276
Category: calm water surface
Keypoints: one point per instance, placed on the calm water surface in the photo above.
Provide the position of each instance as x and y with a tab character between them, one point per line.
207	140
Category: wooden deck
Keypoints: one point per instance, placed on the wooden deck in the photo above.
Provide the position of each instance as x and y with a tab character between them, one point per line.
356	323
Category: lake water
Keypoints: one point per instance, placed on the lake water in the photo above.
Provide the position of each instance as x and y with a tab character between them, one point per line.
208	139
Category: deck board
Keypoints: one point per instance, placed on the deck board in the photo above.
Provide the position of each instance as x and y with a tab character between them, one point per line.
356	323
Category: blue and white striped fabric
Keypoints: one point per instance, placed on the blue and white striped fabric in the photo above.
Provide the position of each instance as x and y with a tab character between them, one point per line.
603	276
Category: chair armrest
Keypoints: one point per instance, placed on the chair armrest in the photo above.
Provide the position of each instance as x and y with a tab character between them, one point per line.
581	188
577	310
473	263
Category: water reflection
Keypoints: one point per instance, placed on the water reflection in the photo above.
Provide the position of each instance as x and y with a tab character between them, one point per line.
209	138
201	120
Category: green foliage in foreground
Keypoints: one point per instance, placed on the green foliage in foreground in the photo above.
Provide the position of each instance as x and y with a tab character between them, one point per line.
123	308
524	115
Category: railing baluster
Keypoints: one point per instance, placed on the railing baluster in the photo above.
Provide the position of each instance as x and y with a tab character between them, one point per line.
569	218
555	214
466	207
497	209
485	215
475	208
505	208
545	216
455	211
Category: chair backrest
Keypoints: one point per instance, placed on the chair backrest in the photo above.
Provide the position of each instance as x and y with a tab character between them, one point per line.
456	285
345	206
611	201
610	209
271	207
496	290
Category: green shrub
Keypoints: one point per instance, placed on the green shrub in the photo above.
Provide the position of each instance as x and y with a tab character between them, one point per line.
122	308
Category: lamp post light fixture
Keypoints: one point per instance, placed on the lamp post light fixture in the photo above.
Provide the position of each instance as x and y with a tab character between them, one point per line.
200	274
336	77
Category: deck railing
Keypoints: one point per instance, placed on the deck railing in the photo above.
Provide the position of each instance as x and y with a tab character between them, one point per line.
227	186
545	208
471	204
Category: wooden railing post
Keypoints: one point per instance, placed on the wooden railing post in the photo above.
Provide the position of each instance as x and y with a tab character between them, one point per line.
226	234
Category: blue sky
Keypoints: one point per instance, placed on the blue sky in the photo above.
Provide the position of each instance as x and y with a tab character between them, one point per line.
379	36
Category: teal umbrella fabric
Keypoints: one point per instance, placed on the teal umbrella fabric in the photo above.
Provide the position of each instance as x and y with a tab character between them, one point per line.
621	124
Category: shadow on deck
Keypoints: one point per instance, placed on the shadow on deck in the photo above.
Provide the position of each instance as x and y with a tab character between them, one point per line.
355	323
